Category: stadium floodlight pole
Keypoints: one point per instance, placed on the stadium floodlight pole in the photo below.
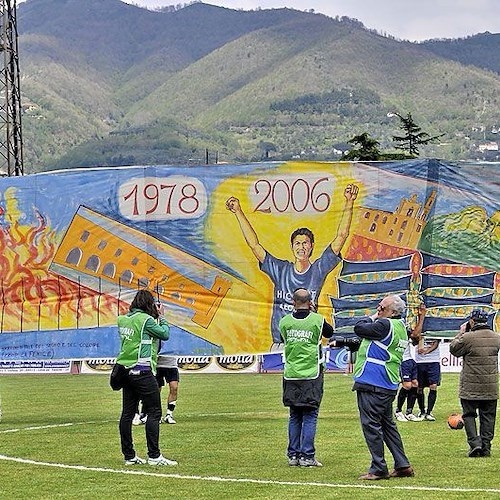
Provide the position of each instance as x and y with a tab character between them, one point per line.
11	143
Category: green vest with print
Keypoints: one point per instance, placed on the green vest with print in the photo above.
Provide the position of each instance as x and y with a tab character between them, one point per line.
137	347
303	354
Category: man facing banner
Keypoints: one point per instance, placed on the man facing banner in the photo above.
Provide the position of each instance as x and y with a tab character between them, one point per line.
303	376
376	380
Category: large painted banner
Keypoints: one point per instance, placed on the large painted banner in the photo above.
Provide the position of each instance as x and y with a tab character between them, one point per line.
223	247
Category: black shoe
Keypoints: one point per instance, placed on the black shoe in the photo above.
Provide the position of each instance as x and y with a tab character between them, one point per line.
485	452
403	472
476	452
373	477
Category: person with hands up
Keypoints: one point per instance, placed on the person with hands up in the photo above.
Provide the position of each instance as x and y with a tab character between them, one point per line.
303	271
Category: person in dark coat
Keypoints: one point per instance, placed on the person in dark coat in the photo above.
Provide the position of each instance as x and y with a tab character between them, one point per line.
478	345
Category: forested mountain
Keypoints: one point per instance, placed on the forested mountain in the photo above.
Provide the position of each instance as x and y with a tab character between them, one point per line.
482	50
108	83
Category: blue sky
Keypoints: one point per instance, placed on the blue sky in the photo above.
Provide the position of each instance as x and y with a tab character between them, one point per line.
405	19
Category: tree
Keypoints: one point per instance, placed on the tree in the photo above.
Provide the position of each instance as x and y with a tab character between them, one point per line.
413	137
367	150
266	148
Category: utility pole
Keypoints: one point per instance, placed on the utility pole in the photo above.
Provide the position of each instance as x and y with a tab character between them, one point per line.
11	142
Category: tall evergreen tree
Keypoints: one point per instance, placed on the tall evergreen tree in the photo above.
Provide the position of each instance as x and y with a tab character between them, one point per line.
413	137
367	151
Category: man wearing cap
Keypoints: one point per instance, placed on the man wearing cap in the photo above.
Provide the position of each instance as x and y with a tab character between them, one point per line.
478	345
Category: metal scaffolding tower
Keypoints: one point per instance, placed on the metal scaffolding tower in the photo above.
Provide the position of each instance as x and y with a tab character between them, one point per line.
11	142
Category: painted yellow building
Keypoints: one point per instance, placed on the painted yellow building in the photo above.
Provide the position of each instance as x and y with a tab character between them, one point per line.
401	228
97	252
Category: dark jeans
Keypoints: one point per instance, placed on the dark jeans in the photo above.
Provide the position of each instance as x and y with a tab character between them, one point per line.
375	411
302	431
142	387
487	410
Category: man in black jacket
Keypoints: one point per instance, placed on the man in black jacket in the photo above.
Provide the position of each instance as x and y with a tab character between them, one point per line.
478	390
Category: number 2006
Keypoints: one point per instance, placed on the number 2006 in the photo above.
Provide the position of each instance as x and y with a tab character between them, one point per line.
292	194
162	198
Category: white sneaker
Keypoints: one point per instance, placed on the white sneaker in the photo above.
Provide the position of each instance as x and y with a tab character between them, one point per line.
309	462
139	419
400	416
430	417
161	460
169	419
135	461
412	418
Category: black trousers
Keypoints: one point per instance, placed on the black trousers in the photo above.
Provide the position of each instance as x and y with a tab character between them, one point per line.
142	387
487	409
375	411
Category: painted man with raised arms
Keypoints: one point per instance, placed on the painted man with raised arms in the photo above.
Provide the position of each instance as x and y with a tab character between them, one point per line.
301	273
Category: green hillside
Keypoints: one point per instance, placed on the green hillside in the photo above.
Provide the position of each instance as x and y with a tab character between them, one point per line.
107	83
479	50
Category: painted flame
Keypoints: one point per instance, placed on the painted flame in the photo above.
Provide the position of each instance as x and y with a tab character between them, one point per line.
32	298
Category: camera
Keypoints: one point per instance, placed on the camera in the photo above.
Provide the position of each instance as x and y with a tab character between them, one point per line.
349	341
158	308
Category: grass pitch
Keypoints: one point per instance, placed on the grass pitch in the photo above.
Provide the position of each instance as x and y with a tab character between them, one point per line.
59	439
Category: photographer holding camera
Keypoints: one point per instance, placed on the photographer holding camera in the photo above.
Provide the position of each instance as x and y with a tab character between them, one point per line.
376	381
141	330
478	345
302	332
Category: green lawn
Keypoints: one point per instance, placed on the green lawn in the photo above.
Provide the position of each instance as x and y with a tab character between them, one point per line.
230	442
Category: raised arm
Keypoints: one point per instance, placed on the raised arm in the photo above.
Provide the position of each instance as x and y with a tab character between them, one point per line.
233	205
458	346
350	194
159	330
416	334
372	328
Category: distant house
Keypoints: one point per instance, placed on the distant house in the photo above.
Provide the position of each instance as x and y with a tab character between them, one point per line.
488	146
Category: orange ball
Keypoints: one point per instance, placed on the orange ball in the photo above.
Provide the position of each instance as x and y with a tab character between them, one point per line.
455	421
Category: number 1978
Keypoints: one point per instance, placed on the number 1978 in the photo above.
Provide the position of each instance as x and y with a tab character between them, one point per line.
162	198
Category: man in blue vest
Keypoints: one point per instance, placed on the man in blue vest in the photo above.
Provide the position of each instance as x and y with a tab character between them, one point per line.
376	380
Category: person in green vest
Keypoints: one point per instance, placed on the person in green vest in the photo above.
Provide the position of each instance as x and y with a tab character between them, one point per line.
376	380
301	332
141	330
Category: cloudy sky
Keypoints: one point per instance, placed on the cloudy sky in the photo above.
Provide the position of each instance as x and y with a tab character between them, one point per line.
405	19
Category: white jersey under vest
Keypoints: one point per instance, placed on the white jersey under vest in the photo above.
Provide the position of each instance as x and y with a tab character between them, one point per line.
432	357
166	361
409	352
